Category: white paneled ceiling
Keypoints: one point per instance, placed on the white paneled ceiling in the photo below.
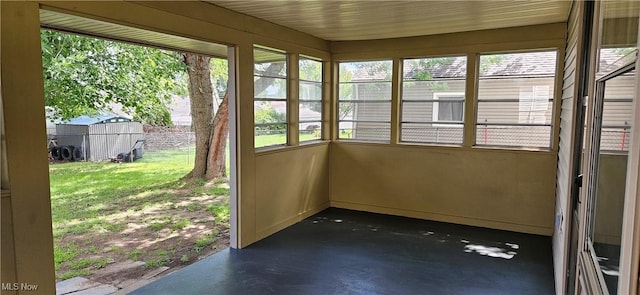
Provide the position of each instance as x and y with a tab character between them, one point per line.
92	27
360	20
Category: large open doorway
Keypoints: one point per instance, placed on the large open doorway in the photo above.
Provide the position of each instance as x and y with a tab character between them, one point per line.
124	208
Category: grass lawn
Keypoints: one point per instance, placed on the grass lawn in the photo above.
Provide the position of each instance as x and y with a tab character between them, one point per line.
105	213
278	139
108	212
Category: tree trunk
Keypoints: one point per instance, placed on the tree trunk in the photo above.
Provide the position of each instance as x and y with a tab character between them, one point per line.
218	138
212	132
201	96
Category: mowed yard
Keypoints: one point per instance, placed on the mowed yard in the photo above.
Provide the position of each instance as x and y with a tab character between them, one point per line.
107	213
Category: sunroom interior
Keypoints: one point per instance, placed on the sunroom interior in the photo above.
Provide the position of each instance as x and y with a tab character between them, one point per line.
487	138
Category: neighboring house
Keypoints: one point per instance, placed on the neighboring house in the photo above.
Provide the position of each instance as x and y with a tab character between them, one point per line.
514	108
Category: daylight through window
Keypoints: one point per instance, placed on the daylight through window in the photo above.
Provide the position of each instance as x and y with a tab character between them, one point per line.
364	100
310	99
433	95
515	99
270	97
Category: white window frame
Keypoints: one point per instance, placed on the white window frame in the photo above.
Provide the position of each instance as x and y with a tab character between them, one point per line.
436	108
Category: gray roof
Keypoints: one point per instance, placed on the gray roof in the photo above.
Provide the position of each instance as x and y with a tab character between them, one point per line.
513	64
101	117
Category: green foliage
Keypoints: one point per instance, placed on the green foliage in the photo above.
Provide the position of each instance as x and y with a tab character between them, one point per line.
220	211
134	255
203	242
84	75
180	224
267	114
219	75
64	254
184	258
310	70
74	273
488	60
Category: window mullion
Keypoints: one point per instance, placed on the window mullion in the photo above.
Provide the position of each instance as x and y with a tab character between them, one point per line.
470	104
293	105
396	92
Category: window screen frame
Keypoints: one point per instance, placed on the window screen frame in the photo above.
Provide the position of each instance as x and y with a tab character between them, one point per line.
286	99
355	102
553	100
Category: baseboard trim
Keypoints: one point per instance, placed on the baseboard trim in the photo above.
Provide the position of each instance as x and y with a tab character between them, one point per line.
261	234
522	228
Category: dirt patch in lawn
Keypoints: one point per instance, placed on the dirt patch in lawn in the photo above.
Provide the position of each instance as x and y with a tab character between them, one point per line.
175	229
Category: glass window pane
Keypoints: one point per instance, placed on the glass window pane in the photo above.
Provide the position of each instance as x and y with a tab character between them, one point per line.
432	133
513	136
310	95
365	71
619	32
617	113
310	131
515	91
310	111
365	111
520	112
310	90
270	97
364	98
270	135
310	70
269	63
267	87
265	112
370	131
433	91
610	176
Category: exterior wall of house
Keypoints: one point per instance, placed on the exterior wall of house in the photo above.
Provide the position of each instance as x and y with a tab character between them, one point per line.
493	113
564	179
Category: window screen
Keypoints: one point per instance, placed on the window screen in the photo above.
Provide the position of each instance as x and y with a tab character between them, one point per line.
270	97
310	99
364	100
515	99
433	95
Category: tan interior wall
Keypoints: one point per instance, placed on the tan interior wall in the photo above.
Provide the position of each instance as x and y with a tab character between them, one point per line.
612	171
496	188
510	190
291	185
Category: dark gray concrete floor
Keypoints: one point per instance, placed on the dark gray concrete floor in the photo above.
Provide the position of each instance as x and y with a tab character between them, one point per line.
348	252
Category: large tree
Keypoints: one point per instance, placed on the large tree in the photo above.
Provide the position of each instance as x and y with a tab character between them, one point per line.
85	75
212	127
211	130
